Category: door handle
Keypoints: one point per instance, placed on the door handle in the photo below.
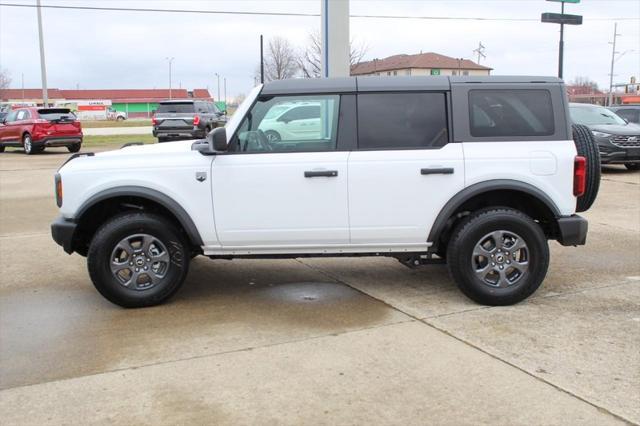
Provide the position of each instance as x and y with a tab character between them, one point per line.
320	173
437	171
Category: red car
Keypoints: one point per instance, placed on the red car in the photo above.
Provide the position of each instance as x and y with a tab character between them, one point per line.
34	129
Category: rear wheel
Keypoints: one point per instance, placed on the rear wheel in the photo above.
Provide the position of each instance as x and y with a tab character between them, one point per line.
75	147
632	167
1	148
137	260
498	256
28	145
272	136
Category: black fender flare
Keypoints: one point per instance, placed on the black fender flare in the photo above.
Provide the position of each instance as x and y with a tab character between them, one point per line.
476	189
152	195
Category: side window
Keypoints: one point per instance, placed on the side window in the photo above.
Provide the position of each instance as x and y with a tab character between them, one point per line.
402	120
21	115
510	113
289	124
11	116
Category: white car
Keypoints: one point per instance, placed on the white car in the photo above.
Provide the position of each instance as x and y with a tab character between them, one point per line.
292	121
477	172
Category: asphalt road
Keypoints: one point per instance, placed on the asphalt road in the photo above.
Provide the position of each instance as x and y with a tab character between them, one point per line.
324	341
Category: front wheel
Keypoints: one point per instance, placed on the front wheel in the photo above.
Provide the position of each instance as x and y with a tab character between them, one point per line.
137	260
498	256
633	166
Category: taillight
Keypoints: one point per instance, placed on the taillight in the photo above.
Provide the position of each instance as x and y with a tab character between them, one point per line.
154	121
579	176
196	120
58	180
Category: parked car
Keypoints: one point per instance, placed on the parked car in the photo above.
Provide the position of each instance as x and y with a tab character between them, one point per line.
35	129
618	140
292	121
186	119
631	113
477	172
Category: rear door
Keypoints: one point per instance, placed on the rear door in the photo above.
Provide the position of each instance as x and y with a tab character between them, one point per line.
288	194
405	168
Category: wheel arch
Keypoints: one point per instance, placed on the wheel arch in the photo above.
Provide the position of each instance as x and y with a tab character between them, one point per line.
500	192
99	207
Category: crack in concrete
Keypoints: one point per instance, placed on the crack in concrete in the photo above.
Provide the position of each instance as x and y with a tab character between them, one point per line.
472	345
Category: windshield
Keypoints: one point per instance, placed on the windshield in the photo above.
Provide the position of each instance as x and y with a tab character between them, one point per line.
176	108
596	115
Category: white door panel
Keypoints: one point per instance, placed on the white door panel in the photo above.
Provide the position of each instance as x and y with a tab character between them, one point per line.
390	200
266	200
545	165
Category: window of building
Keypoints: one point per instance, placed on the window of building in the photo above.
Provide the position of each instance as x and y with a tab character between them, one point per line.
402	120
510	113
395	73
388	72
465	72
454	72
290	124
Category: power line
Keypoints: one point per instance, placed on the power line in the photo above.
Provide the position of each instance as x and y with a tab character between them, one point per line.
291	14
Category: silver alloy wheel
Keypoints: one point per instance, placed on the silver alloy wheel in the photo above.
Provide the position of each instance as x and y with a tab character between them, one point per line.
272	136
27	144
500	259
140	261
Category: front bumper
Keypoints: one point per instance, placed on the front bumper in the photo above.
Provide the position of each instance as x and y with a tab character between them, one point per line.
572	230
62	231
611	153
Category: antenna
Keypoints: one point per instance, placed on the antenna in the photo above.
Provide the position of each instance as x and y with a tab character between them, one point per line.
480	52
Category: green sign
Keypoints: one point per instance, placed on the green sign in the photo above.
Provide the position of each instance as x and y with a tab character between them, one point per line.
435	71
566	1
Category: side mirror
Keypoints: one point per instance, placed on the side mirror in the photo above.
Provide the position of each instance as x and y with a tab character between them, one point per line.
217	140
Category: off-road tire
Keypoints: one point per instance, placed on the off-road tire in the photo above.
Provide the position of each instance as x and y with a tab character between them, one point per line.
587	148
113	232
632	166
471	230
75	147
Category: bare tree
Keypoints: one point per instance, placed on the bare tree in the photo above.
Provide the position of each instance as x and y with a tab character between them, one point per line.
585	82
280	60
5	81
310	58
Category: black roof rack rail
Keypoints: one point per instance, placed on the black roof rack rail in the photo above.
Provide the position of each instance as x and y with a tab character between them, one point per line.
131	144
76	155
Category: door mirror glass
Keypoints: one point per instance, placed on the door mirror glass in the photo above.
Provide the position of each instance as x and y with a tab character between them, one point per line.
217	140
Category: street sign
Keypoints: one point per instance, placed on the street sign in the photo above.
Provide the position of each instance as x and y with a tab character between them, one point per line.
562	18
566	1
435	71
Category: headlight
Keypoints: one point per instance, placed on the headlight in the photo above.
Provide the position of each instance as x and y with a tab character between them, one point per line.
601	134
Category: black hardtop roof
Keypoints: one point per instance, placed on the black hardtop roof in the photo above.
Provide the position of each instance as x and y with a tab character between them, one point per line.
392	83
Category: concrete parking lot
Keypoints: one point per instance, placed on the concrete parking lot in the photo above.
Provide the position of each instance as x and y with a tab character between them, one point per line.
316	341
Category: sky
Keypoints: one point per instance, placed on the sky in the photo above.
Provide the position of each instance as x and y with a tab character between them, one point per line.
109	49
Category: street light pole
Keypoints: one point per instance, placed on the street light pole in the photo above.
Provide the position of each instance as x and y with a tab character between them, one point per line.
561	47
43	68
225	93
170	62
218	77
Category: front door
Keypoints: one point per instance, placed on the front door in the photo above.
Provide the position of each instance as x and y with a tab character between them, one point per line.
286	192
9	130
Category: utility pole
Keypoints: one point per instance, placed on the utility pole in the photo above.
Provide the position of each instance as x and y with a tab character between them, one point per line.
43	68
480	52
170	62
613	60
561	47
261	61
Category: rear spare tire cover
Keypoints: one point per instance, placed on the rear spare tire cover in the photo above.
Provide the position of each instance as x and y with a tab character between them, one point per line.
587	148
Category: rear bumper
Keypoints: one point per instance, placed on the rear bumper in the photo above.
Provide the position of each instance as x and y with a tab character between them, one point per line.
572	230
179	133
62	231
59	141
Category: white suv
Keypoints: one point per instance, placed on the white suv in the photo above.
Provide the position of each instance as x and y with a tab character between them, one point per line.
475	172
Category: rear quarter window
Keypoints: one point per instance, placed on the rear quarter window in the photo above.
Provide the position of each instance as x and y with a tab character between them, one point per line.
510	112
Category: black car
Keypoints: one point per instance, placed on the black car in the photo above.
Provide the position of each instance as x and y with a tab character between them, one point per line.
631	113
186	119
618	140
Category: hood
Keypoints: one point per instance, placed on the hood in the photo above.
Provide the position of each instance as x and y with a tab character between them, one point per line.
617	129
149	149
